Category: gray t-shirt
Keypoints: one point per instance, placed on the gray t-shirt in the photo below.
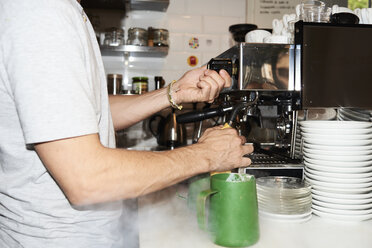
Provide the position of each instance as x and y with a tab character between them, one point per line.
52	86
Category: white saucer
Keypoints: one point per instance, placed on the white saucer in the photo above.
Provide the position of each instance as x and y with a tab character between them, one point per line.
327	168
339	131
350	164
342	190
366	206
340	217
337	136
338	142
348	116
342	186
342	200
353	115
341	158
357	196
342	211
345	180
338	148
325	151
293	218
335	124
358	111
341	117
338	174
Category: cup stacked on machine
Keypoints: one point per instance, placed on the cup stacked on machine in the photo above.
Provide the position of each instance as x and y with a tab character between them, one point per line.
284	198
338	165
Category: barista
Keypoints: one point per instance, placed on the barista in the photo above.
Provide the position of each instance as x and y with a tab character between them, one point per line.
62	181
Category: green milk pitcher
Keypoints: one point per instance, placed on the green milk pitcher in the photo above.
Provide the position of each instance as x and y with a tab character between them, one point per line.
233	210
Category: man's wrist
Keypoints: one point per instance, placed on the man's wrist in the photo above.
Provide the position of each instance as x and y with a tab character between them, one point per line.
172	95
197	152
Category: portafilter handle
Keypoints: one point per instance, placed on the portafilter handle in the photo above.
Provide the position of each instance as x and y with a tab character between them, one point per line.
204	114
201	115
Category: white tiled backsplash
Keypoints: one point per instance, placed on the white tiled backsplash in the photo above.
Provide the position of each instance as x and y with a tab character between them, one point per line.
206	20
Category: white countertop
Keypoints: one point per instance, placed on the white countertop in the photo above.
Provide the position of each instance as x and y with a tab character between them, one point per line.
166	222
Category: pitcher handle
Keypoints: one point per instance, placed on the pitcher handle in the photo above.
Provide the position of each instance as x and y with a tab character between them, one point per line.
200	207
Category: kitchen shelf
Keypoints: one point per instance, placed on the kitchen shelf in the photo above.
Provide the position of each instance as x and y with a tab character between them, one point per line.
127	5
134	51
155	5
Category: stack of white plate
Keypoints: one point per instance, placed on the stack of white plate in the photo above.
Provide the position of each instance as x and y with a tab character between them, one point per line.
353	114
338	165
311	114
284	198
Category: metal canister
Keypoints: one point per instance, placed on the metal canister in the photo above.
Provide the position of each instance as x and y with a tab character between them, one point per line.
140	84
114	82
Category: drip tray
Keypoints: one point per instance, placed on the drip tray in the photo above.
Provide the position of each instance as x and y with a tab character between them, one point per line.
271	165
263	159
275	160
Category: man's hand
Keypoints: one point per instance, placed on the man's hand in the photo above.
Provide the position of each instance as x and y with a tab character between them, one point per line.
200	85
225	149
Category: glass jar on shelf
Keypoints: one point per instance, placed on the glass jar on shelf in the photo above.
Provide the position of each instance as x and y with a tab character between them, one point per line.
159	82
137	37
114	83
160	37
140	84
114	37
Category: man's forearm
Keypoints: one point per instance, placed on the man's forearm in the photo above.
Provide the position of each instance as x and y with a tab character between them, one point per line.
198	85
89	173
128	110
142	172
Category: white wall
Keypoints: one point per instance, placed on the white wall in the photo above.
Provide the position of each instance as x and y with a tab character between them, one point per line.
206	20
262	12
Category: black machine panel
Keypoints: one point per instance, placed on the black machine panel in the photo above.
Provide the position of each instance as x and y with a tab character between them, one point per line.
336	65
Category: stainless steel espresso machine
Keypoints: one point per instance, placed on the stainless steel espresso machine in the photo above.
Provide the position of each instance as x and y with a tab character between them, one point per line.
274	85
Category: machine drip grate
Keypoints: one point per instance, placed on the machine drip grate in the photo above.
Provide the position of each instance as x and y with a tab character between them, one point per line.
259	160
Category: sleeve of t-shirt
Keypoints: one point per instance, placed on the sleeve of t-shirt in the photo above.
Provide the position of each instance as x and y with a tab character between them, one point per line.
46	67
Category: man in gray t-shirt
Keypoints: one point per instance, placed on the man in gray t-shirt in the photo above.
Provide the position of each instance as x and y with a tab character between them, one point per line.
61	180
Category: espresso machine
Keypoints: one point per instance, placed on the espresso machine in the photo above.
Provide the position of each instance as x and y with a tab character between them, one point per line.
275	85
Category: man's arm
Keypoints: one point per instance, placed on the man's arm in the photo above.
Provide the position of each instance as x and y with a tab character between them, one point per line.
197	85
89	173
128	110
